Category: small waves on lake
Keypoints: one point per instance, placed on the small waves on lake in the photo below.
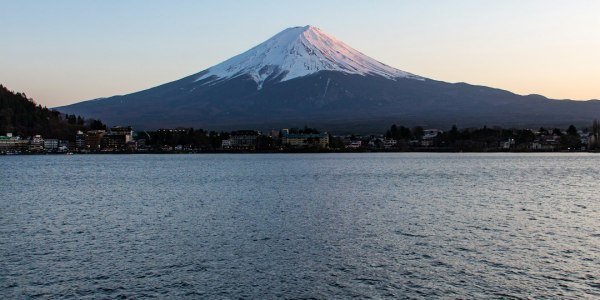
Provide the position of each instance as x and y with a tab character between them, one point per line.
300	226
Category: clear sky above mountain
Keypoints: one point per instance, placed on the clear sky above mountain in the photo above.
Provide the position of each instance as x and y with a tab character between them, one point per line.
61	52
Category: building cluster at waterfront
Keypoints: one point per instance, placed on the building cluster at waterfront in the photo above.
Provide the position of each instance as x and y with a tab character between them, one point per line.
276	139
117	139
123	139
10	144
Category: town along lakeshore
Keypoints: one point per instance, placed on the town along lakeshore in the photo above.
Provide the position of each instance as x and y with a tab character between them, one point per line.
123	139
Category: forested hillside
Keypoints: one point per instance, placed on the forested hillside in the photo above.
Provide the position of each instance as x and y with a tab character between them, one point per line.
22	116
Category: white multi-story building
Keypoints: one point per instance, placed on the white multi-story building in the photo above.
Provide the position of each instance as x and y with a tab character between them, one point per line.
51	144
36	143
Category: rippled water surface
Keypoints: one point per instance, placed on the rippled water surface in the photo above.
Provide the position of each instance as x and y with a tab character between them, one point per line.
297	226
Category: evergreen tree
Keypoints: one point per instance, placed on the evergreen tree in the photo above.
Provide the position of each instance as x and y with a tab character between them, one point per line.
595	138
23	117
556	131
97	125
572	131
571	140
418	132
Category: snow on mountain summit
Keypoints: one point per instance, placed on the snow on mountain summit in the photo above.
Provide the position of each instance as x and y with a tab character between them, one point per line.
297	52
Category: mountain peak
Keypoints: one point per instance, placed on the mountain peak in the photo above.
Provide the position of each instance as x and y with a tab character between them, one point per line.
309	28
297	52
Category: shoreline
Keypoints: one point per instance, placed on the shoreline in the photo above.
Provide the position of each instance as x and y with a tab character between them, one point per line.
290	152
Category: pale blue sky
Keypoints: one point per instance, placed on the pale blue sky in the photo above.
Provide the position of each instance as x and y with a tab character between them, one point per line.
60	52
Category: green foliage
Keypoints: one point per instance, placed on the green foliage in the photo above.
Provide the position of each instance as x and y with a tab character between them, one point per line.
572	131
418	132
595	132
571	140
97	125
22	116
336	142
557	131
495	138
399	133
264	143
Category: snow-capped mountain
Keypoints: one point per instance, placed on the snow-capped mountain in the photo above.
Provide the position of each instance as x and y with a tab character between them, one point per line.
303	76
297	52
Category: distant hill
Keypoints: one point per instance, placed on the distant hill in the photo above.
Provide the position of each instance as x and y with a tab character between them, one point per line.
303	76
22	116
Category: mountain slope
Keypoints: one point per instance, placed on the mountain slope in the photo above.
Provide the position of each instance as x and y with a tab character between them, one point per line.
297	52
304	76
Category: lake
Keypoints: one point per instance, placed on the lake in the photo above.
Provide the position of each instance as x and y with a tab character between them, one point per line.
374	225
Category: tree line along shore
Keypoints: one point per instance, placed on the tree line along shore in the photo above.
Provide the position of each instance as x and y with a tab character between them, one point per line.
29	128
